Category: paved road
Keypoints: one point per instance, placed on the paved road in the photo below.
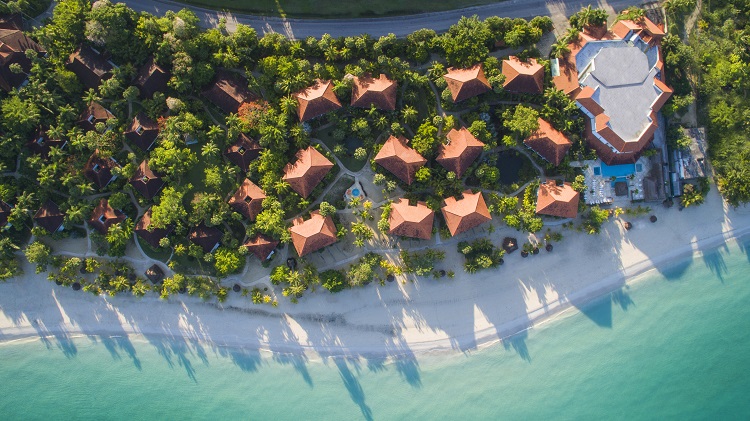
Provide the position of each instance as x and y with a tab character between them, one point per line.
399	25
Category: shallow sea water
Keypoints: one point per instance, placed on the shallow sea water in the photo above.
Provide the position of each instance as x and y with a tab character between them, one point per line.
675	345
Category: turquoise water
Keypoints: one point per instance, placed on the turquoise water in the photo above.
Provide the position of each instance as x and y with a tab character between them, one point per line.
675	346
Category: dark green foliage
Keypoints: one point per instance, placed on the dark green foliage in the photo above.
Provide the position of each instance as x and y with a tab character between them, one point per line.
333	280
480	254
421	263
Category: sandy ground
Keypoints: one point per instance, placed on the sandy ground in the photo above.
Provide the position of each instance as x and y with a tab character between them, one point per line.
401	319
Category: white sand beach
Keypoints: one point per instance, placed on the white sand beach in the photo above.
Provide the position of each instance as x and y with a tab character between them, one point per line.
399	319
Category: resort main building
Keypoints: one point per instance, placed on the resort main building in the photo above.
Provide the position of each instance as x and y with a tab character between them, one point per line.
617	80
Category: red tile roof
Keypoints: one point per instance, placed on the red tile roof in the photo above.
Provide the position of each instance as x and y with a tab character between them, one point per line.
316	100
41	144
49	216
146	182
411	221
248	200
13	46
208	238
525	77
228	91
645	28
467	83
460	151
90	67
93	114
549	143
261	246
400	159
466	213
313	234
368	91
244	151
142	132
99	170
557	200
309	170
104	216
616	150
151	78
150	234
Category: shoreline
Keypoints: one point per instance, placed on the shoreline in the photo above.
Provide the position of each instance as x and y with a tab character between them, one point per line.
460	316
628	276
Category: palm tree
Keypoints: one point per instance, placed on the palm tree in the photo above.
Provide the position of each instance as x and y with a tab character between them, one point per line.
288	105
560	48
91	96
210	150
409	114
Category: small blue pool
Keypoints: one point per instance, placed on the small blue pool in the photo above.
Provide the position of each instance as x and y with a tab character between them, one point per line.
616	170
355	192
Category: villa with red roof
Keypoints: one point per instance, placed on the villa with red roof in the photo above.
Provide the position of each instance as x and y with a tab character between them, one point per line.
104	216
248	200
90	66
401	160
466	83
466	213
93	114
617	80
368	91
548	143
312	234
554	200
99	170
261	246
207	238
460	151
411	221
316	100
150	234
50	217
142	132
244	151
13	46
523	77
228	91
145	181
309	170
41	143
151	79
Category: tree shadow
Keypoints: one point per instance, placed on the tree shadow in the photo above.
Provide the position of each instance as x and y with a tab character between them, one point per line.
714	260
356	393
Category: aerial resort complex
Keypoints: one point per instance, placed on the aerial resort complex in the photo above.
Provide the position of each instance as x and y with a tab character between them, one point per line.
297	186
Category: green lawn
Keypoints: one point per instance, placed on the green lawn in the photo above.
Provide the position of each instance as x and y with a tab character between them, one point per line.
335	9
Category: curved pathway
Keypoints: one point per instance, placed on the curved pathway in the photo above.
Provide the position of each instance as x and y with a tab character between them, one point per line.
399	25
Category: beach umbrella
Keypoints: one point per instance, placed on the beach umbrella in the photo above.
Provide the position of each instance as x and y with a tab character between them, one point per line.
653	218
548	247
236	288
524	254
76	286
628	226
390	278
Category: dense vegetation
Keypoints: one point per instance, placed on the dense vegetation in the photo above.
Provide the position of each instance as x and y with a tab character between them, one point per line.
714	61
194	134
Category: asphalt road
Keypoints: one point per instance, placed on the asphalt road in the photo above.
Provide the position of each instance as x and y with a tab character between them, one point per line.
399	25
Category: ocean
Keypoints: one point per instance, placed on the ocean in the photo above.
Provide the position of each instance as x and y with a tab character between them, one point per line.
674	345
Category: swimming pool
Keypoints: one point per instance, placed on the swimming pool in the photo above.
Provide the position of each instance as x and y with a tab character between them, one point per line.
616	170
